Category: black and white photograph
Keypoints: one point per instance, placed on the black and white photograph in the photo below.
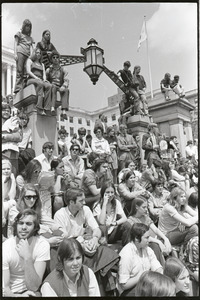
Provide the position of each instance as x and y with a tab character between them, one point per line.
99	146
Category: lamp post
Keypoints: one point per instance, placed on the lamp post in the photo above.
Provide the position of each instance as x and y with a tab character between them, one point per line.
94	60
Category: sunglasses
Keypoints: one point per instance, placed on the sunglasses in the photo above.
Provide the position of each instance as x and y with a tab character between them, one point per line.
75	149
30	197
55	57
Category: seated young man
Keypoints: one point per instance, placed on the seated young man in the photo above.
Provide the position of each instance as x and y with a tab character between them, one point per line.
76	217
24	257
136	258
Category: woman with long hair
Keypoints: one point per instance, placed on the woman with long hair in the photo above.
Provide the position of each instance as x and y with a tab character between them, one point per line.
46	47
71	278
153	284
37	76
29	174
92	181
177	228
23	47
139	214
129	189
178	272
29	198
109	213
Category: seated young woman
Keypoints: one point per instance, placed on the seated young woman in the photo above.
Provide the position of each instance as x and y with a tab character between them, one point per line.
154	284
136	258
29	198
109	213
60	186
178	272
29	174
139	214
92	181
129	189
70	278
177	228
37	76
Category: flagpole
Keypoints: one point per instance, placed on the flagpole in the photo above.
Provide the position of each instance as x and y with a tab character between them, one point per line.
148	59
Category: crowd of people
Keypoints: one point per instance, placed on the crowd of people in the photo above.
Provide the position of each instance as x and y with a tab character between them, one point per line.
94	220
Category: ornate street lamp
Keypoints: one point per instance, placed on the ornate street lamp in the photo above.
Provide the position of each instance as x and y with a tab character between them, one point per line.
94	60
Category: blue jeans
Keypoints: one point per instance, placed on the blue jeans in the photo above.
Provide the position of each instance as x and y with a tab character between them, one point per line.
176	237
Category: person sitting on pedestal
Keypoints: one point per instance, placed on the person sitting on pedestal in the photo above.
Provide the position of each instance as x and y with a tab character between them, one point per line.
177	88
139	79
23	47
127	78
37	76
165	86
58	77
46	47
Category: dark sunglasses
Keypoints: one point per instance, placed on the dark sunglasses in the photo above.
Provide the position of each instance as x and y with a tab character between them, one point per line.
30	197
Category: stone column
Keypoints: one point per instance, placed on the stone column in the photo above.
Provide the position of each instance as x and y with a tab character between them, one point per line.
3	83
13	77
44	128
176	128
137	125
8	88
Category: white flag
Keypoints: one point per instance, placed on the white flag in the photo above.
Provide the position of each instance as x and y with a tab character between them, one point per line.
143	36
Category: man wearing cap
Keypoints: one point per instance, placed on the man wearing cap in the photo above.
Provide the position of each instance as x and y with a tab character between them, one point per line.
176	87
127	78
126	145
58	76
150	144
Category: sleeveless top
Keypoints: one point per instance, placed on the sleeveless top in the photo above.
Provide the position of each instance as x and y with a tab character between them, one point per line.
59	285
37	70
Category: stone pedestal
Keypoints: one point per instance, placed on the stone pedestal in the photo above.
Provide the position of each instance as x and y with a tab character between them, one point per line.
137	125
44	128
173	117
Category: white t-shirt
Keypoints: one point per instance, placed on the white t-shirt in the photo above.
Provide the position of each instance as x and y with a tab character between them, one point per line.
131	263
13	262
109	218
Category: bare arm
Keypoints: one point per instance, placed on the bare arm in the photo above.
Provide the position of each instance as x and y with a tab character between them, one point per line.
15	47
28	69
187	222
131	282
33	272
12	192
94	190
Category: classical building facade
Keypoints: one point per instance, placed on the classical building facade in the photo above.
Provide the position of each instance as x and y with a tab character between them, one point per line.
8	71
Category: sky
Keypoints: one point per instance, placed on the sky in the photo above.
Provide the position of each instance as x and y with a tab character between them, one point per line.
171	30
